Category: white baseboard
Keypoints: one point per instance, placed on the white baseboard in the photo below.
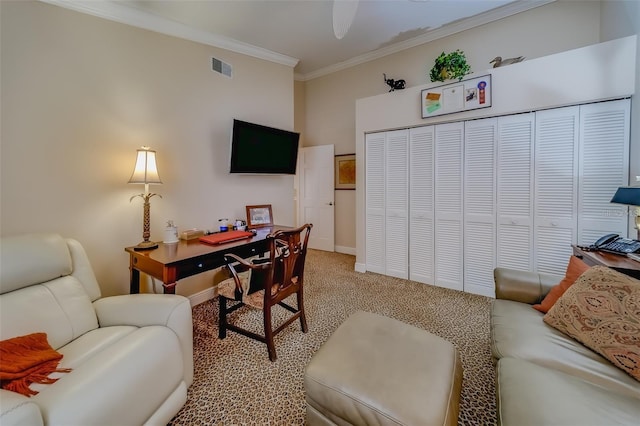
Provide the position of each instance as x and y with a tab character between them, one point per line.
202	296
360	267
345	250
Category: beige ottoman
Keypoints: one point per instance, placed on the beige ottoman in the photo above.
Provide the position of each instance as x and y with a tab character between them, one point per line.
376	370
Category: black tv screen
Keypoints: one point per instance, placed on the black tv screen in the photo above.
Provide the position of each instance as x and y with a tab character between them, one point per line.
258	149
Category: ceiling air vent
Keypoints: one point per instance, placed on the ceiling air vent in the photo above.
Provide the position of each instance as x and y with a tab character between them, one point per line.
221	67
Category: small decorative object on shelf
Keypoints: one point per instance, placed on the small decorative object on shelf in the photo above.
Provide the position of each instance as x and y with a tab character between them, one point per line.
191	234
450	66
499	62
394	84
170	233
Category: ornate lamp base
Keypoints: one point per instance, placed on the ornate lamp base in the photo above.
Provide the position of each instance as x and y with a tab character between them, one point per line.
146	245
146	222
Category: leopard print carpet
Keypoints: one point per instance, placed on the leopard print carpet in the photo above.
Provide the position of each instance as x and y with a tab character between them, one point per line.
236	384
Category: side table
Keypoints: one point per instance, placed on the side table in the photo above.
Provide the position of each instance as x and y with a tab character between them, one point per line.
615	261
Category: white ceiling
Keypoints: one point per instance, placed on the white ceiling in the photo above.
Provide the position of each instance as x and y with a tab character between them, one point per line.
300	32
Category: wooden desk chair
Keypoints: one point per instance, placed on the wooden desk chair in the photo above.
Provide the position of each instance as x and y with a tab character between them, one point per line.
278	277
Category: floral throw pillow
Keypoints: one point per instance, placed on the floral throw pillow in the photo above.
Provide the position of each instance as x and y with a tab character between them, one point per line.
601	310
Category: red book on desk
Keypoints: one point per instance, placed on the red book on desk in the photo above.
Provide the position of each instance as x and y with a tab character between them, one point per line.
225	237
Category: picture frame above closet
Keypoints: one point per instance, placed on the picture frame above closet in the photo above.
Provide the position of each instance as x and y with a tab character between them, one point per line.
473	93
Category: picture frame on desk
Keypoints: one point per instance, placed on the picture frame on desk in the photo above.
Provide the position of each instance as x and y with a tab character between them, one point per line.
259	216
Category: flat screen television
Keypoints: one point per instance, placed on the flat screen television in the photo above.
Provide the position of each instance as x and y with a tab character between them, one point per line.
258	149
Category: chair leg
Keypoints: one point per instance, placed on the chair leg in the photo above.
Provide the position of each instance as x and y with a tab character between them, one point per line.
222	318
303	317
268	334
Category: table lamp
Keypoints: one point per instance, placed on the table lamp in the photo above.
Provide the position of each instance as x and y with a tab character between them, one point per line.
630	196
146	172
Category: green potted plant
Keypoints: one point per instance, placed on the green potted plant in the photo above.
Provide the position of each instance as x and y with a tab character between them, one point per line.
450	66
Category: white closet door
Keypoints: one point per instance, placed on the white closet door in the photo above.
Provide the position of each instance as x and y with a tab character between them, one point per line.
556	188
515	191
448	205
480	205
397	203
375	202
421	204
604	166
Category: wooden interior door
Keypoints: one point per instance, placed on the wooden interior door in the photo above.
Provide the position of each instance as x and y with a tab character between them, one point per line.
603	167
397	203
449	205
514	194
316	194
556	188
480	138
375	229
421	204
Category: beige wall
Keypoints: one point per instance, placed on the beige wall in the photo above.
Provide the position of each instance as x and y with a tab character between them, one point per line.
299	116
80	94
330	100
619	19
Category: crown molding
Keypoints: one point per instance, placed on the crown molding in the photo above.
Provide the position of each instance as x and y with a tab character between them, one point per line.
441	32
113	11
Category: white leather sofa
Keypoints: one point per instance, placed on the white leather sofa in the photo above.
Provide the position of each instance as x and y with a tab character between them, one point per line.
545	377
131	356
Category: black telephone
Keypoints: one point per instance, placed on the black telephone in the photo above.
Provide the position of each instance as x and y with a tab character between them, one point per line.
613	243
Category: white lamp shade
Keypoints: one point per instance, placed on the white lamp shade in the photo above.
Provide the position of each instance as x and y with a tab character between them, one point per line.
145	170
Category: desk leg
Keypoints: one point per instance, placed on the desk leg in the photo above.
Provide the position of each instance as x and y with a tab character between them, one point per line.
134	280
169	288
169	278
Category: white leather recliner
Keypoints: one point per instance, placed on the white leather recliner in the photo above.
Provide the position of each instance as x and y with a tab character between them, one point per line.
131	356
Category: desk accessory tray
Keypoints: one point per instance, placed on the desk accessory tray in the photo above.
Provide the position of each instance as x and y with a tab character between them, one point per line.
226	237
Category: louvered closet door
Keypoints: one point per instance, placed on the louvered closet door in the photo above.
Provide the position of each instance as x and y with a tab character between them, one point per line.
480	205
421	204
604	166
556	189
396	203
375	202
448	205
515	191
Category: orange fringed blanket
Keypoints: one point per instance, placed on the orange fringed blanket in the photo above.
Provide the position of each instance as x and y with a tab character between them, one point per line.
28	359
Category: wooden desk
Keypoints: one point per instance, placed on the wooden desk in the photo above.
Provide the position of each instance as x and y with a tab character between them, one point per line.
619	263
172	262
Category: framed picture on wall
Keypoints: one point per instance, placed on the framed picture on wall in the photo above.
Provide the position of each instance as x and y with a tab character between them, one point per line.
472	93
345	171
259	216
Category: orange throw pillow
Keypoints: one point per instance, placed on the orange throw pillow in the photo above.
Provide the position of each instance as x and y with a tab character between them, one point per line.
575	268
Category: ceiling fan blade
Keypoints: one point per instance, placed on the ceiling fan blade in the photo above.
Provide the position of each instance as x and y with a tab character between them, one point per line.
344	11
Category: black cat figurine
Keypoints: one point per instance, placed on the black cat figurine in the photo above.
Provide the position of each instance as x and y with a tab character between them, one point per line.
394	84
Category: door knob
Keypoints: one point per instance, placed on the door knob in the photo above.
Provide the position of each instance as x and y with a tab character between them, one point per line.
330	203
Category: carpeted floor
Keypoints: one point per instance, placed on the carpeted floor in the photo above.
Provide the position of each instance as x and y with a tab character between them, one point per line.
235	383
